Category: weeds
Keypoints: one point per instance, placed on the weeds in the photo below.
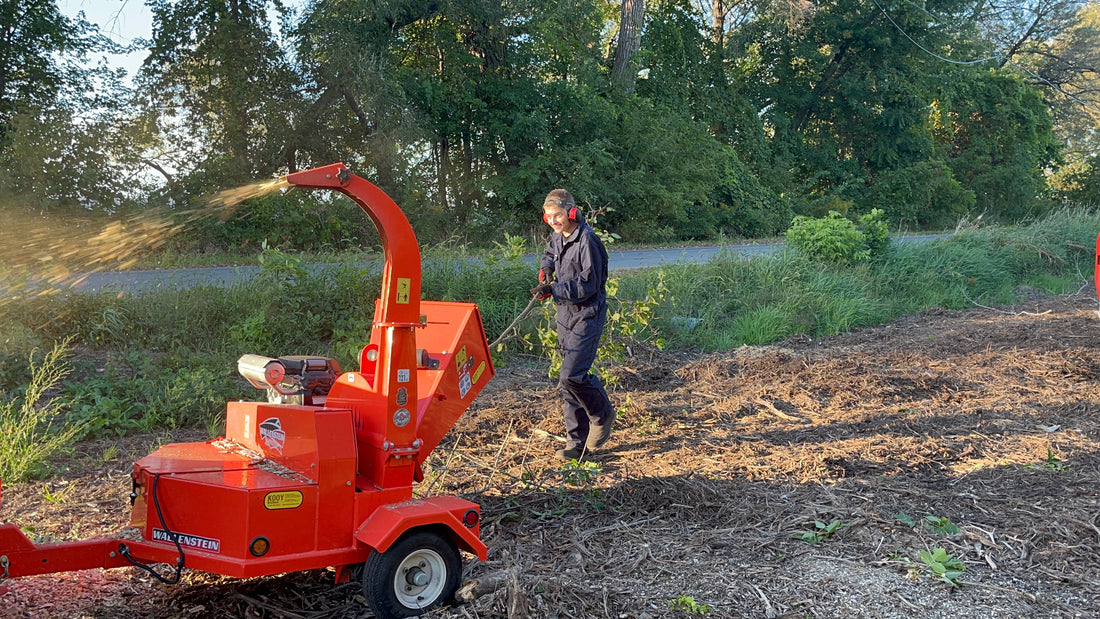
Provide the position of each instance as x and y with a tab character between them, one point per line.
942	566
939	524
628	324
31	426
821	531
1051	463
192	336
687	603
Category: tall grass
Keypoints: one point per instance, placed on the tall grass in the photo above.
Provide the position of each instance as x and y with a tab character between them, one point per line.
167	358
766	299
32	426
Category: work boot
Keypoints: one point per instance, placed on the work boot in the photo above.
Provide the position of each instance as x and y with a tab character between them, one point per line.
598	434
573	453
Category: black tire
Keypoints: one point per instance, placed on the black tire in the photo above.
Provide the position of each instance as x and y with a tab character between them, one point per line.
420	571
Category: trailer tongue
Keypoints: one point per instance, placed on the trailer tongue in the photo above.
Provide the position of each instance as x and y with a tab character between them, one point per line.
321	474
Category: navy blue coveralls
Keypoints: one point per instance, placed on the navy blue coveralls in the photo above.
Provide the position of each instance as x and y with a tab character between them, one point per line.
579	262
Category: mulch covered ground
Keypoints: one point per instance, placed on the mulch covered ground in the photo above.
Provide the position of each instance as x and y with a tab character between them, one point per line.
801	479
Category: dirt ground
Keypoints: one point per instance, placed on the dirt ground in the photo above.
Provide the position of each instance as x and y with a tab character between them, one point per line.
985	420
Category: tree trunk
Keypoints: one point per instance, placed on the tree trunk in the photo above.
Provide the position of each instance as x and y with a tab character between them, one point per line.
718	21
630	38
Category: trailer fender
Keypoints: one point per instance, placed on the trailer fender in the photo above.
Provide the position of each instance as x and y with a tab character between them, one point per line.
389	522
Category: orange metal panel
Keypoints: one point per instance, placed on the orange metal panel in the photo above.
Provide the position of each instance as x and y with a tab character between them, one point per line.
454	335
389	522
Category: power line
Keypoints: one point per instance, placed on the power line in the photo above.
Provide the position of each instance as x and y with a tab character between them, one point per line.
928	51
1000	58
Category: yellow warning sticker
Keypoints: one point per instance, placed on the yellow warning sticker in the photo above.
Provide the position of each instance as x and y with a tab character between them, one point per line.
478	371
404	286
460	359
283	500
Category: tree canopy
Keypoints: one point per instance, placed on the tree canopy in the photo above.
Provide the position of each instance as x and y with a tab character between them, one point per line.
667	119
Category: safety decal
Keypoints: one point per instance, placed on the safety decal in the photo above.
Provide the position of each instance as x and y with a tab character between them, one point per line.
272	435
462	364
288	499
188	541
464	384
402	396
478	371
404	287
401	417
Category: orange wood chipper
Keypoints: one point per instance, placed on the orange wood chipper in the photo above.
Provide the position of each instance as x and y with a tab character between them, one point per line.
321	474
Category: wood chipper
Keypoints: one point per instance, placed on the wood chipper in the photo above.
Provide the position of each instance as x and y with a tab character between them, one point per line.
321	473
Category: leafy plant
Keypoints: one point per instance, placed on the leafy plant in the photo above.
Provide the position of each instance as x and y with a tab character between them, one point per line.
821	531
906	519
31	424
837	239
942	566
579	474
628	322
1051	463
688	604
941	525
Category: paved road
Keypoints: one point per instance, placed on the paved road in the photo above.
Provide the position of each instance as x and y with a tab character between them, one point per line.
223	276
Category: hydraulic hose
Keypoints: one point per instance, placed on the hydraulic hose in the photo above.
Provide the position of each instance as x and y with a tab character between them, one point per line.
124	550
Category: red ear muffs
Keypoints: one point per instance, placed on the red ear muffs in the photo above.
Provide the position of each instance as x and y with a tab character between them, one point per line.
573	215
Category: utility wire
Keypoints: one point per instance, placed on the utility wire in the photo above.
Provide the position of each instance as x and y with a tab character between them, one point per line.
926	50
999	57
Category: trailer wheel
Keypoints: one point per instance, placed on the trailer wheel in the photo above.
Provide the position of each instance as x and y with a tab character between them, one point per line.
419	571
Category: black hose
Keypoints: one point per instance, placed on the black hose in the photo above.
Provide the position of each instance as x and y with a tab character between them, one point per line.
124	550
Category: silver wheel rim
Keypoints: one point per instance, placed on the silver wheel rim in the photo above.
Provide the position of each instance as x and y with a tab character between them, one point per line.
420	579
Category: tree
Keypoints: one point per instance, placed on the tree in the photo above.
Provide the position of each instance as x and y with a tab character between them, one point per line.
996	135
36	43
631	18
216	71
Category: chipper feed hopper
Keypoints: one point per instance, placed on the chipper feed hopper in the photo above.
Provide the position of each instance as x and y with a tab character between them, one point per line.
320	474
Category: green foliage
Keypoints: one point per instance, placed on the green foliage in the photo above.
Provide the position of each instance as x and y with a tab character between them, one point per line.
296	221
941	525
1051	463
629	322
905	519
836	239
821	531
172	351
925	194
144	395
943	567
996	135
737	301
32	426
467	112
1080	181
687	603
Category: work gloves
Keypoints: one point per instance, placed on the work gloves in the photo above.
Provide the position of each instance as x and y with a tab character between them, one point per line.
542	291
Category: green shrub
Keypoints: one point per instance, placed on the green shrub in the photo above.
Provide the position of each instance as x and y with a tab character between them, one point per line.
836	239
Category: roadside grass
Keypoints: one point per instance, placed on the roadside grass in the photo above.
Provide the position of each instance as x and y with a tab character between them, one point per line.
166	358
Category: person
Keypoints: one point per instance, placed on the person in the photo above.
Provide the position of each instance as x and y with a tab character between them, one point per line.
574	272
